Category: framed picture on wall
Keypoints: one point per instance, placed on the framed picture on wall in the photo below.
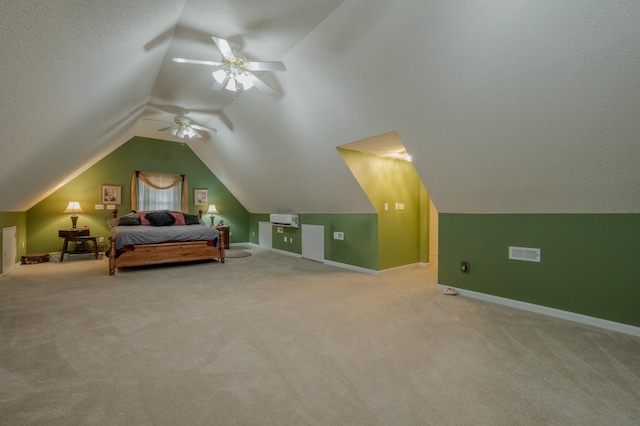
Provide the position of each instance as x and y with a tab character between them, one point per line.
201	197
110	194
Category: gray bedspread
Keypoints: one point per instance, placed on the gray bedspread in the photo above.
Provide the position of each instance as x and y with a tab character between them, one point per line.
132	235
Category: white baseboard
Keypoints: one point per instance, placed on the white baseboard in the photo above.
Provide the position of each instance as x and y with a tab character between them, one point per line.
350	267
544	310
326	262
4	274
395	268
287	253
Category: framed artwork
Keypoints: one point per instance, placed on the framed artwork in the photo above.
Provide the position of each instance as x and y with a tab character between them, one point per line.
201	197
110	194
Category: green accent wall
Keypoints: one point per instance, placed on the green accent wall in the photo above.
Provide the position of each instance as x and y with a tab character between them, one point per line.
359	249
379	241
587	260
293	236
46	218
403	235
425	220
254	231
360	244
19	220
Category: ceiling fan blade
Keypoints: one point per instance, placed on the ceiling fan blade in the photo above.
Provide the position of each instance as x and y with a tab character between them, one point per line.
265	66
206	129
196	135
224	47
154	119
198	62
259	84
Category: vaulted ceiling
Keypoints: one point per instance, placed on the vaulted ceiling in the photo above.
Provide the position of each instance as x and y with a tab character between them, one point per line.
505	106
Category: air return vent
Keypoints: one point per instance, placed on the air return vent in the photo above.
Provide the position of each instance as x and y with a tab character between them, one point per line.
524	253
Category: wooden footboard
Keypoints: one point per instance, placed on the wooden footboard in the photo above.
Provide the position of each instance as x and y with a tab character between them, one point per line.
154	254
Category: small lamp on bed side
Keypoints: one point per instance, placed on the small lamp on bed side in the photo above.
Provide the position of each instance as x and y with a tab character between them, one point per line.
73	207
212	210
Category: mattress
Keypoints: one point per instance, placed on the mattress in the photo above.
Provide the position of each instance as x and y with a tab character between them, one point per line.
137	235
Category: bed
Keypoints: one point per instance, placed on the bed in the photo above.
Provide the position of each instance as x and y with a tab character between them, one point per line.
152	238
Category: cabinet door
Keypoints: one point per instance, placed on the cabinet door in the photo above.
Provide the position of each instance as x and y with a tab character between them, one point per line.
313	242
9	248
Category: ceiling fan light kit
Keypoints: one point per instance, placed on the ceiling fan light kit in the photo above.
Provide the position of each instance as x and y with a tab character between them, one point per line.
182	131
233	77
234	71
184	128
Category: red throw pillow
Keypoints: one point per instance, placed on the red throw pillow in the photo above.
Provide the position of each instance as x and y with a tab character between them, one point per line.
143	219
179	218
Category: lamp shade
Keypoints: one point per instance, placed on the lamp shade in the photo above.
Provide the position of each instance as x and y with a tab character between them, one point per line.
73	207
212	209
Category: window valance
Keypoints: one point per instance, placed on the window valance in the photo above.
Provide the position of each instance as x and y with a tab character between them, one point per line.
152	178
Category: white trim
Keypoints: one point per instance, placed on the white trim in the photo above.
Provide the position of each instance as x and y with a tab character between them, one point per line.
326	262
254	245
395	268
351	267
553	312
4	274
287	253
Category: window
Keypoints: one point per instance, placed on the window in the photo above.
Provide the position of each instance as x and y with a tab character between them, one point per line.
158	191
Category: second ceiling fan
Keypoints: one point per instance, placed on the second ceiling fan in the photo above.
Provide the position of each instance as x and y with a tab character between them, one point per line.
234	72
183	128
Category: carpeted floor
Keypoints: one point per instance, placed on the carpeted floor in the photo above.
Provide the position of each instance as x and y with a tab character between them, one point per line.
273	339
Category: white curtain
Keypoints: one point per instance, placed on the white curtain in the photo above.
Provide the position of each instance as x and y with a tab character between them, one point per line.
158	191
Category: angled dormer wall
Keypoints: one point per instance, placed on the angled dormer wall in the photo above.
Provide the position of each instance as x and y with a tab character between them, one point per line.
401	201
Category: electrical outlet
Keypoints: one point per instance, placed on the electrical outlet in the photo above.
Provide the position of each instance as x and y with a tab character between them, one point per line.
101	239
464	266
290	239
285	239
338	235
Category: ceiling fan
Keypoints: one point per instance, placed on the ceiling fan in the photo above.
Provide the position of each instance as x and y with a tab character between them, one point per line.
182	128
234	72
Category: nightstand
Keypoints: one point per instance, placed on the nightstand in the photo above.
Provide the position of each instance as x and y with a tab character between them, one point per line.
78	236
225	238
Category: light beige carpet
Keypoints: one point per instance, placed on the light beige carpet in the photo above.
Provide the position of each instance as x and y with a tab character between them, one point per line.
272	339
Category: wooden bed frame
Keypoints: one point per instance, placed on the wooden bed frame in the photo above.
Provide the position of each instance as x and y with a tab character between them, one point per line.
155	254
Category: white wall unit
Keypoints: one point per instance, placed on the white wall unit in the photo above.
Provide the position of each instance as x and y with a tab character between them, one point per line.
9	249
264	235
313	242
286	219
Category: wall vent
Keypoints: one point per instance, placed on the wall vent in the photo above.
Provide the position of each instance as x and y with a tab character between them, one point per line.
524	253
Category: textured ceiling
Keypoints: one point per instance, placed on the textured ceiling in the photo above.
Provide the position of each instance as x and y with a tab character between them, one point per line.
506	107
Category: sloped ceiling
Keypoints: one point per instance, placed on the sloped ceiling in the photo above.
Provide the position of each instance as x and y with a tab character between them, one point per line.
506	107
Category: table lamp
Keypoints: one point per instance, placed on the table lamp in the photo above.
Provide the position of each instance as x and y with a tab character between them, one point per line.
73	207
212	210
